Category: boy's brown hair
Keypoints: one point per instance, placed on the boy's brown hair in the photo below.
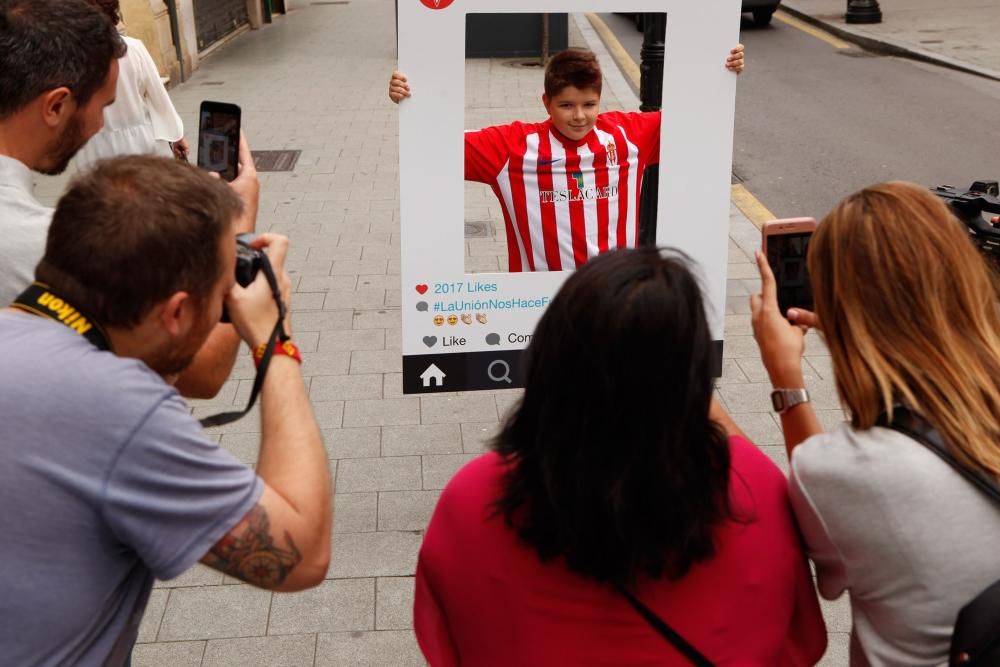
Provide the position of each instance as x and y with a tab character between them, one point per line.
573	67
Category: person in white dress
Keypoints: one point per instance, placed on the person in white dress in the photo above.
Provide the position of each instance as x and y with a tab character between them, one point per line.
143	119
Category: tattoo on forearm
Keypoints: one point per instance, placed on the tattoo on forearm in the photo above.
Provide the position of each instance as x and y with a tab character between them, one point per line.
249	553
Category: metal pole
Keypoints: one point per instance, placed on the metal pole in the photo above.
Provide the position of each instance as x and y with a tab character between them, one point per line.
651	99
863	11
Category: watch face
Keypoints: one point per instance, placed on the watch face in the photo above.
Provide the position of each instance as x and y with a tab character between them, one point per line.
777	401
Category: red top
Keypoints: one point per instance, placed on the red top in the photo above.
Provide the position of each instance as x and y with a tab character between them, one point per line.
483	598
566	201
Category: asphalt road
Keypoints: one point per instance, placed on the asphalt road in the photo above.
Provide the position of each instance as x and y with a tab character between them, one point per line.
814	123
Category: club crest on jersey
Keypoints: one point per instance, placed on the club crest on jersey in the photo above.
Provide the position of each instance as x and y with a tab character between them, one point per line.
612	152
436	4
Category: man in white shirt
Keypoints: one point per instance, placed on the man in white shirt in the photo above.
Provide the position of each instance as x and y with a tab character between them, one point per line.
58	71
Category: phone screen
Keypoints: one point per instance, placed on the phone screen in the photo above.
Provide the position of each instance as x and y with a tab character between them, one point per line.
786	253
219	139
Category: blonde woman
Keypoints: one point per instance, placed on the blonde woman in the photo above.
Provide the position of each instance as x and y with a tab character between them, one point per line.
908	310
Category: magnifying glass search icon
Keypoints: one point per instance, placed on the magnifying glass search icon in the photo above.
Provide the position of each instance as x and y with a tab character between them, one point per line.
502	373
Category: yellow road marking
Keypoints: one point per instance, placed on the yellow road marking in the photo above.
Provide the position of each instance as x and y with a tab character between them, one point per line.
618	52
750	205
744	200
790	20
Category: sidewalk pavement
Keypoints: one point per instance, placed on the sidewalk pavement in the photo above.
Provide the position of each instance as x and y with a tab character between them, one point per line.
315	80
962	34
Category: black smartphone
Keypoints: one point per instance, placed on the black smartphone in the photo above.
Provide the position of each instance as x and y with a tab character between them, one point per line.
219	138
786	244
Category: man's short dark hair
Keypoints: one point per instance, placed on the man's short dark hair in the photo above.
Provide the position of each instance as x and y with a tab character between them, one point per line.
45	44
573	67
133	231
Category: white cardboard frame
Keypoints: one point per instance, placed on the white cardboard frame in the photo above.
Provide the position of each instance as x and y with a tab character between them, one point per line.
695	167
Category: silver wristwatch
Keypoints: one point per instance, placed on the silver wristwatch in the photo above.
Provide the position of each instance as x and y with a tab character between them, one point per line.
783	399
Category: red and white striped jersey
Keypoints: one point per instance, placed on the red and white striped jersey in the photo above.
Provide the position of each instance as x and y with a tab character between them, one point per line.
565	201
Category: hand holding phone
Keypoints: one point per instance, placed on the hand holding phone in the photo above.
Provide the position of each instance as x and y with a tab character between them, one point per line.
785	243
219	138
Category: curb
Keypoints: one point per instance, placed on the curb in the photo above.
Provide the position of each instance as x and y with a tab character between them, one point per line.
891	46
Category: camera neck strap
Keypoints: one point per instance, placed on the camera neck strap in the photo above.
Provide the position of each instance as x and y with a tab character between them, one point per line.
40	299
277	334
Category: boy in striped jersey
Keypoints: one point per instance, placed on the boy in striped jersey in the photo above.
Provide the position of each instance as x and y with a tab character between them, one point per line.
568	186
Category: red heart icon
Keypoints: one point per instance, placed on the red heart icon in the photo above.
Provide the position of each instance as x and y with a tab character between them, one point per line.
421	289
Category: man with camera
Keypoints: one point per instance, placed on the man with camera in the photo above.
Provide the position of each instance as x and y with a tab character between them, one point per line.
58	70
107	480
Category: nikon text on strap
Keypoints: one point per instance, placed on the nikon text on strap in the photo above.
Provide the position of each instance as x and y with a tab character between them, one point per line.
40	299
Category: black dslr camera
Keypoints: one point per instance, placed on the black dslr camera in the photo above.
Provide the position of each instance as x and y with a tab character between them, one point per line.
248	263
248	260
969	206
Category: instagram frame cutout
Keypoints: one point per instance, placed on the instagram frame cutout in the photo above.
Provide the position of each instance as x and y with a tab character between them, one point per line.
467	332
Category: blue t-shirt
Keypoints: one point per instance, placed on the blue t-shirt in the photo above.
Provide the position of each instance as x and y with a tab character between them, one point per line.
106	481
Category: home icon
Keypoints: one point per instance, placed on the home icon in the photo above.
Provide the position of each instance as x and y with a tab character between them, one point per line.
433	376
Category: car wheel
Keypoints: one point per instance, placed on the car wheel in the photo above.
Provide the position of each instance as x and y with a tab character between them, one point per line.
762	17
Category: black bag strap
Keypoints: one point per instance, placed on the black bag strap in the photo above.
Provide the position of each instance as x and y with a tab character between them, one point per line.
668	633
913	425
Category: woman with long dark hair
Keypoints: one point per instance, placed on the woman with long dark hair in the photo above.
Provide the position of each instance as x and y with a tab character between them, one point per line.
618	484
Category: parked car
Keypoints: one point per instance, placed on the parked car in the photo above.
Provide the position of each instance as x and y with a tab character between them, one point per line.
762	11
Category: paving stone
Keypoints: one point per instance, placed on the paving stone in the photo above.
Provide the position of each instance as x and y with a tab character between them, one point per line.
152	615
290	651
507	401
751	397
399	473
440	468
355	512
324	284
376	361
244	446
168	654
760	427
308	301
838	650
329	414
353	443
333	606
357	298
823	366
196	575
382	412
351	339
457	409
392	387
387	318
738	347
476	436
433	439
326	363
381	554
322	320
394	603
837	613
731	373
363	649
406	510
213	612
345	387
